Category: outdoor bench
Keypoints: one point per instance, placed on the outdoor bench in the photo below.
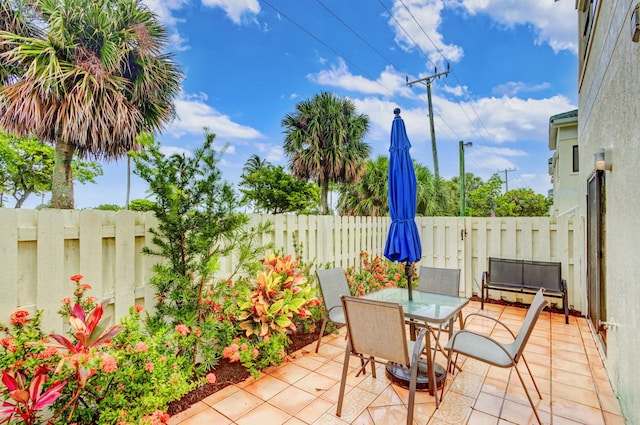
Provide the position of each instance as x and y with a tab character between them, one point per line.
524	276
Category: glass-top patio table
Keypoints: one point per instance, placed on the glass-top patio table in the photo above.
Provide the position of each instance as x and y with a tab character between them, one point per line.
425	309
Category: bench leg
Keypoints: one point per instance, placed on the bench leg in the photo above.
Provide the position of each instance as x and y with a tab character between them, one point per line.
482	296
566	308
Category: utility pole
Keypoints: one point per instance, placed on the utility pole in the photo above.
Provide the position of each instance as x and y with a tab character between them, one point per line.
463	183
506	177
427	81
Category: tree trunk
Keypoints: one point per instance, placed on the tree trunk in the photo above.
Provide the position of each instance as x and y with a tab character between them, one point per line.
62	181
21	199
324	192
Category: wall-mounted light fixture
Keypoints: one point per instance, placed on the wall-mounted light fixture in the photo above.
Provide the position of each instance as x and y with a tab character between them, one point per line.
635	23
602	159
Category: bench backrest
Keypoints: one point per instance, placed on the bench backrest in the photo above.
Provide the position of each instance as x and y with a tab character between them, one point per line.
525	274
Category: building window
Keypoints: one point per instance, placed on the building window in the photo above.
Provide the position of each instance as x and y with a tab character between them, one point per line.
576	159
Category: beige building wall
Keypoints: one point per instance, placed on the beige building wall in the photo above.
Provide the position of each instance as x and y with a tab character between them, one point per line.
609	105
567	185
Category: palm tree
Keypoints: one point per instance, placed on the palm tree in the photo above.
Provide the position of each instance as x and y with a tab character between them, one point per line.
323	140
254	163
92	80
433	195
369	195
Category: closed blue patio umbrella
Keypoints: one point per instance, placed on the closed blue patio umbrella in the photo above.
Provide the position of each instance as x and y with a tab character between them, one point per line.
403	241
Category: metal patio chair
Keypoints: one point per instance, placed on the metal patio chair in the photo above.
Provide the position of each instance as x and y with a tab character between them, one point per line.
376	329
444	282
486	349
333	284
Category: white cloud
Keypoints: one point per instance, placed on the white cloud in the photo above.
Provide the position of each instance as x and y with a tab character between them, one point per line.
554	22
236	10
272	153
456	90
512	88
163	9
173	150
388	83
419	26
194	114
239	11
500	119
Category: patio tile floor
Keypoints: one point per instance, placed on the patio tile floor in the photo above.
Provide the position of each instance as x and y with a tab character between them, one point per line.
563	358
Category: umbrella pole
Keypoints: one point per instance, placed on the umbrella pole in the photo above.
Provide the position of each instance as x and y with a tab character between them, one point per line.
408	271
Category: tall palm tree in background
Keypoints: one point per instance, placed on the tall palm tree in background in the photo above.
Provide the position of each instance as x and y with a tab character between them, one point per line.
369	195
324	142
253	164
433	195
89	81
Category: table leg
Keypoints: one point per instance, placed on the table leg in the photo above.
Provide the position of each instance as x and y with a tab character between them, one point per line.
433	390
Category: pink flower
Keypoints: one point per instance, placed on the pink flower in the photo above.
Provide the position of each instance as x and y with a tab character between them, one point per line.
20	317
197	332
182	329
255	352
211	378
141	347
7	342
149	367
108	363
85	286
47	353
138	308
66	301
244	347
76	277
234	358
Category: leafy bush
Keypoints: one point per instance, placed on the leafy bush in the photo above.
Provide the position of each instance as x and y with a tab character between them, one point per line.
97	374
375	274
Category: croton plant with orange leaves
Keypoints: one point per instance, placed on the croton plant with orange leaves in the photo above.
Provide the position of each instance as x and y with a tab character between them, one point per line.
279	294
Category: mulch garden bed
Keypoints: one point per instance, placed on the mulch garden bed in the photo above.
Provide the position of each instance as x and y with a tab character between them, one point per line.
232	373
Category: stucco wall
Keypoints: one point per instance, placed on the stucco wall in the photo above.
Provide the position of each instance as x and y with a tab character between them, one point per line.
567	191
609	105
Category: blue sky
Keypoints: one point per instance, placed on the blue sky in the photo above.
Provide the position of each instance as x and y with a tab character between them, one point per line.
248	62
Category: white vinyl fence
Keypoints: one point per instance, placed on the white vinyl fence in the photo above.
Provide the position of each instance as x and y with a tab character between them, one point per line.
40	250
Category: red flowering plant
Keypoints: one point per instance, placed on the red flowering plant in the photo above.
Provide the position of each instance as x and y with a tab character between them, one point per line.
26	362
142	375
374	274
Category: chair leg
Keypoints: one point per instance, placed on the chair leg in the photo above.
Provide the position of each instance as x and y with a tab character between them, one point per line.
324	324
343	380
531	375
412	391
535	411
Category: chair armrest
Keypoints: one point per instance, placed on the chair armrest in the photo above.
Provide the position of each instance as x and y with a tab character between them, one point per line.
464	324
420	345
485	277
483	336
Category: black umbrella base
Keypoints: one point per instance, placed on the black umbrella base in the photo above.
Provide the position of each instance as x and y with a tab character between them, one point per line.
401	375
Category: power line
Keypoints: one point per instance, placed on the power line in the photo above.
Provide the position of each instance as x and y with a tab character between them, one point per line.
359	36
337	53
447	61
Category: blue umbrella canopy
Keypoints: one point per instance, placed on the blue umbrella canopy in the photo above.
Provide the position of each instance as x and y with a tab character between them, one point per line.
403	241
